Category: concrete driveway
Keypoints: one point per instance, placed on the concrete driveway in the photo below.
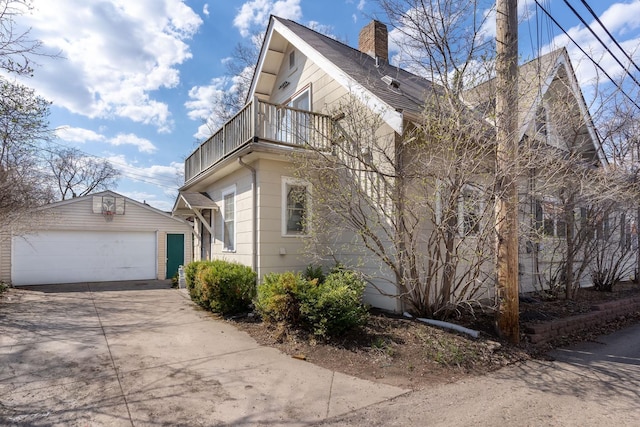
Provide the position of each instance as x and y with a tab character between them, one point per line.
140	353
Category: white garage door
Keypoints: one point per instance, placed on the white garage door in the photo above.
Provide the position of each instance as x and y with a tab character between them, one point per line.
72	257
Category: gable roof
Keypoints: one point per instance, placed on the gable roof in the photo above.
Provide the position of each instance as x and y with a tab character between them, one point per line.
355	70
534	81
106	193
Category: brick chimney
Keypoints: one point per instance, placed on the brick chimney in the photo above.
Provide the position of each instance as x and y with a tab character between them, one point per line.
374	40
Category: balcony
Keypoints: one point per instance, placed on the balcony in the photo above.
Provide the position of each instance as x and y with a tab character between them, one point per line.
266	122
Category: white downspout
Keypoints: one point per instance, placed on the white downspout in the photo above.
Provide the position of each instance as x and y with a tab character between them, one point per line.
254	216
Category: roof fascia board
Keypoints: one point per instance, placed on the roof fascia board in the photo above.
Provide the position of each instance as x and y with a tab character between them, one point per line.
261	58
392	117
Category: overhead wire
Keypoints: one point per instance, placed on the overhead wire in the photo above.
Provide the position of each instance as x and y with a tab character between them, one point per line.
127	169
586	5
588	27
617	85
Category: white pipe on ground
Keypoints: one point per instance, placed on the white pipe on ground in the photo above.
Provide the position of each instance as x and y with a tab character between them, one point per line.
446	325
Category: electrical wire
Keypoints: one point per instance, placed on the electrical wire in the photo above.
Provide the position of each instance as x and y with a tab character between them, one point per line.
575	12
587	55
128	170
586	5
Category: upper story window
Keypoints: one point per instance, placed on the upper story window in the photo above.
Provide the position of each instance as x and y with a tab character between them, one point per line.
295	207
293	126
229	220
292	59
541	121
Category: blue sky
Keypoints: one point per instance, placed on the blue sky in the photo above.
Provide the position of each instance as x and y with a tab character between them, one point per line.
135	77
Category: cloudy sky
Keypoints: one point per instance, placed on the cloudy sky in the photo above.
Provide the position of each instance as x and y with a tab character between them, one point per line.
134	79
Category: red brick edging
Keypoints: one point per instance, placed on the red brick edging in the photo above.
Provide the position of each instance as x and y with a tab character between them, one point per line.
601	313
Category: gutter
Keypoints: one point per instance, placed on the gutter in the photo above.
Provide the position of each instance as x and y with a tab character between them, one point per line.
254	218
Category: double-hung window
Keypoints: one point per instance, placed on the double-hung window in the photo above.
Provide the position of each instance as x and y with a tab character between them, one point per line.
295	205
229	220
470	206
550	219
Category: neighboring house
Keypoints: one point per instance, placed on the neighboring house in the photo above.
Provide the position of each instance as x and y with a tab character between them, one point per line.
239	186
99	237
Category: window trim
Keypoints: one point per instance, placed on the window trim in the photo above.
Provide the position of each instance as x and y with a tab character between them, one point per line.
226	192
286	183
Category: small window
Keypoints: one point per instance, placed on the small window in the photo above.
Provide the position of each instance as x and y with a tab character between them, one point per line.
550	219
295	207
292	59
541	121
229	221
470	212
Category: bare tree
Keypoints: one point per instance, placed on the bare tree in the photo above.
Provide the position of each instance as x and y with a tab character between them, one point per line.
23	129
16	46
24	126
75	174
239	72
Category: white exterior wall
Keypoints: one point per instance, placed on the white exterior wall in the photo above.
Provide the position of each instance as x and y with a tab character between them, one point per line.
240	180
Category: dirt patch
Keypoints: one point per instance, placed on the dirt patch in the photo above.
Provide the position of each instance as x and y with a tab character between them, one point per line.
407	353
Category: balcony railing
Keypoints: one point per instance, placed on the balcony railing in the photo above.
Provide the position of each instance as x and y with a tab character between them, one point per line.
267	122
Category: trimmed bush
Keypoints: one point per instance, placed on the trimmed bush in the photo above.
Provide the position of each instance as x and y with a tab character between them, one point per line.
221	286
335	306
326	309
278	297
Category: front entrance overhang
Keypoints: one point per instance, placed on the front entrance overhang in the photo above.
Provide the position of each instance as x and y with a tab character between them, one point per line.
189	204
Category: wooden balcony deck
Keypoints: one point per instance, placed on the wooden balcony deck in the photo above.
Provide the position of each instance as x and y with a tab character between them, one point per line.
263	121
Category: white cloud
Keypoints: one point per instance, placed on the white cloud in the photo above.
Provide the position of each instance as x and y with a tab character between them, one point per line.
115	54
79	135
200	105
143	145
205	9
255	13
361	5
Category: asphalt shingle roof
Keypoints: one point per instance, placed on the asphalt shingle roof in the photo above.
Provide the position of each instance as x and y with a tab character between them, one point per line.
408	96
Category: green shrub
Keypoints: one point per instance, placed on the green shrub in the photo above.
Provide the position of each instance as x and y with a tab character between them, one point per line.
335	306
221	286
278	298
314	272
326	309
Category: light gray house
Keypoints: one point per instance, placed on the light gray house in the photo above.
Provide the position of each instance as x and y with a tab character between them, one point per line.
239	185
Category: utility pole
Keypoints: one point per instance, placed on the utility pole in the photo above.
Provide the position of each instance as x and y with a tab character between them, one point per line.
506	209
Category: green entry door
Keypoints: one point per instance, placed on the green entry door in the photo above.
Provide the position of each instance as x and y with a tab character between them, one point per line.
175	253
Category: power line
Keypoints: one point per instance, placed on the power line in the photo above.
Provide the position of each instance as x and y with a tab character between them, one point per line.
587	55
586	5
127	168
575	12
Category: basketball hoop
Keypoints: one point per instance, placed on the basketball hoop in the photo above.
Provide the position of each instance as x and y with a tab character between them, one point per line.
108	215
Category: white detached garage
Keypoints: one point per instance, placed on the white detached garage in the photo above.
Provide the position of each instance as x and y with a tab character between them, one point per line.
99	237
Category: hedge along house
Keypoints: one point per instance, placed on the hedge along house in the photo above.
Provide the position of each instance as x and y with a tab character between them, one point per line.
100	237
240	186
